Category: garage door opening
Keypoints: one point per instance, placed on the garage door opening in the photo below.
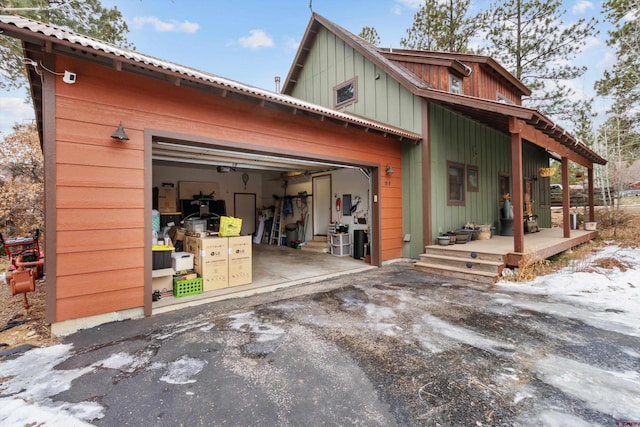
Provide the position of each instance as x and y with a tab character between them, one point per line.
322	208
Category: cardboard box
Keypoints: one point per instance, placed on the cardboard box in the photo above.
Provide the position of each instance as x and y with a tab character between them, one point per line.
181	261
162	280
240	260
210	260
176	234
167	199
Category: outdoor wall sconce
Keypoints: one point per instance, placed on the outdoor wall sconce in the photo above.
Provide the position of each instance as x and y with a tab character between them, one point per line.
119	134
389	170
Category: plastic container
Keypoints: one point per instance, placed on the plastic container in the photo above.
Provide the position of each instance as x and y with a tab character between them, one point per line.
230	226
155	220
183	288
573	221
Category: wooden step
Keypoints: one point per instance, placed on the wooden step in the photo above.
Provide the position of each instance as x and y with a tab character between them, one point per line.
462	252
315	246
476	276
495	267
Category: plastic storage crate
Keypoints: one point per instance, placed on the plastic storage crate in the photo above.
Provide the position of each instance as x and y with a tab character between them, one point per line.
183	288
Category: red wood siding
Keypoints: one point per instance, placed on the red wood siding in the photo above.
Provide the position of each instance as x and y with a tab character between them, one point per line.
100	190
483	82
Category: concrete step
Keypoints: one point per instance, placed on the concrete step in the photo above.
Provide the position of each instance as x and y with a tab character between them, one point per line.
469	263
476	276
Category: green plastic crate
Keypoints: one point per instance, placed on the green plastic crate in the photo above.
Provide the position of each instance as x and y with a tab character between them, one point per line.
183	288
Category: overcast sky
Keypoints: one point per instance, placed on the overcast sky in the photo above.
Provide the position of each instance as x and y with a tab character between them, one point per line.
252	41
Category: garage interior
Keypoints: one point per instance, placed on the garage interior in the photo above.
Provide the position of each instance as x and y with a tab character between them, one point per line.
213	181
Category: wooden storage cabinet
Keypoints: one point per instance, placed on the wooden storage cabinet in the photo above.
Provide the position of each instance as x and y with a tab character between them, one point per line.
340	244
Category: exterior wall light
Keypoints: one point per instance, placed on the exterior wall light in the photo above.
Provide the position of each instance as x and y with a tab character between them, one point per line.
119	134
389	170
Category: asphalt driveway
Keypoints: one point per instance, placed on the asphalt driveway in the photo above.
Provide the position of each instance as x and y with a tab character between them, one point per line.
385	347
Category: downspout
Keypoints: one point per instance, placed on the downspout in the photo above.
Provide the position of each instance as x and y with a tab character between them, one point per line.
50	173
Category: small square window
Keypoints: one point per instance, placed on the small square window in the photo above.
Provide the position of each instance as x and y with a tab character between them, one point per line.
346	93
455	84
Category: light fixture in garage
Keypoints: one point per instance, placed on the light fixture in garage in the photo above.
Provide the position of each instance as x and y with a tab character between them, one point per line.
120	134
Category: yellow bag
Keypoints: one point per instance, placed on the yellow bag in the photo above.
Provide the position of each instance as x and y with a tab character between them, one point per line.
230	226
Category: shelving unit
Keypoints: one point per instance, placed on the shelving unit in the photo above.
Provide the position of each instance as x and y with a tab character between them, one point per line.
339	244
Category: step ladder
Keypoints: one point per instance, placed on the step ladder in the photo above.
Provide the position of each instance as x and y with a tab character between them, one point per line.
275	238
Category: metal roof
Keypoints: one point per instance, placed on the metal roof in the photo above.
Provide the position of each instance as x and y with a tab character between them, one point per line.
489	112
30	30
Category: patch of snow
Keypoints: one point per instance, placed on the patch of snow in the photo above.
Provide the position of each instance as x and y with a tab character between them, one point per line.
180	328
117	361
181	370
17	412
606	299
612	392
28	389
465	336
630	352
250	322
556	419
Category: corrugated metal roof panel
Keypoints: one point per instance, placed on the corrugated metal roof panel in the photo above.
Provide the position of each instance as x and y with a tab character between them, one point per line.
110	49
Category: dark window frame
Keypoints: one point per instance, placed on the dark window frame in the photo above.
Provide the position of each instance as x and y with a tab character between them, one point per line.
460	182
337	103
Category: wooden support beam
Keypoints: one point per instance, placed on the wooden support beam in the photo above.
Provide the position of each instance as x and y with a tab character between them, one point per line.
542	140
516	186
592	213
565	197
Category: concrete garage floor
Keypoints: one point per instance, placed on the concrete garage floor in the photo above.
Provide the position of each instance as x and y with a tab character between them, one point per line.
275	267
386	347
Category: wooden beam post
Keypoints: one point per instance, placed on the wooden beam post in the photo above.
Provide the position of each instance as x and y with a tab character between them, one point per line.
592	213
516	186
566	226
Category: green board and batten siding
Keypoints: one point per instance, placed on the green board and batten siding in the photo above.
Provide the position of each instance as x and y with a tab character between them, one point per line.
331	62
452	137
458	139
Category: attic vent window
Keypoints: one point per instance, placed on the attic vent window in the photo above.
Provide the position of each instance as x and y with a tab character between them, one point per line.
346	93
501	98
455	84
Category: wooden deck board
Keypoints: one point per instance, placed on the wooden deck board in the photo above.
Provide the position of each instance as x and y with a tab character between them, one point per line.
546	243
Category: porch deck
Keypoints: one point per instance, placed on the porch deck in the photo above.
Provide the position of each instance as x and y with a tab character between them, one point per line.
483	260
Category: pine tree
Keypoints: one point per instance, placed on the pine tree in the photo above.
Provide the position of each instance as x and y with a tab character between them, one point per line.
530	39
86	17
442	26
21	182
623	81
371	35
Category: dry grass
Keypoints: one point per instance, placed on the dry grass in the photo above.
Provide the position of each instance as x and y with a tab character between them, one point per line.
620	227
34	330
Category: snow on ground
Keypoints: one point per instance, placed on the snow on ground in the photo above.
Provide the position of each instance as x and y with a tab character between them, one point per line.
606	299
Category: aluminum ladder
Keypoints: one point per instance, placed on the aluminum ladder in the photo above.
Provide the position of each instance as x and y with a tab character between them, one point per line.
275	238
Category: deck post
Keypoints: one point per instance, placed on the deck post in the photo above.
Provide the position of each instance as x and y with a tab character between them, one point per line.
566	205
516	185
592	214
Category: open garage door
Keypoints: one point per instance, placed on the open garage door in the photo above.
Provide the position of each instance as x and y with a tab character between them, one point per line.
307	252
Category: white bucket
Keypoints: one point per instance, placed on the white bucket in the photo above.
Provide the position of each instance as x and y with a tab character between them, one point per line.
590	226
